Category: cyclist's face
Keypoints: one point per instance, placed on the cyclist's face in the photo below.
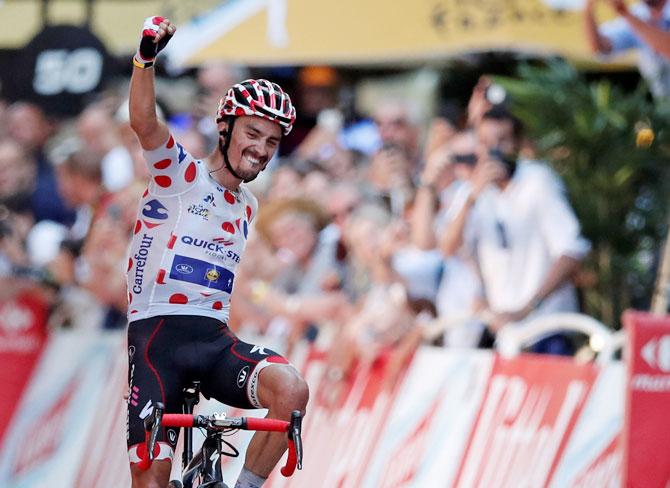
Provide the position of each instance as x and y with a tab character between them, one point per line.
254	141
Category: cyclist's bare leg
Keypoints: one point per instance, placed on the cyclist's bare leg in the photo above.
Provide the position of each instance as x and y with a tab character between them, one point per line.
157	476
281	390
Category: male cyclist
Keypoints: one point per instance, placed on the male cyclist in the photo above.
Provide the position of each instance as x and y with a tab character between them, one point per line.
190	234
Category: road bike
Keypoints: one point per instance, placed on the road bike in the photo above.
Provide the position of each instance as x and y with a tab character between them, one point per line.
204	469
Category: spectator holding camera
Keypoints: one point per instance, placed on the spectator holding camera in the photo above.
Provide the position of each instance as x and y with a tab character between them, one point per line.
644	26
517	223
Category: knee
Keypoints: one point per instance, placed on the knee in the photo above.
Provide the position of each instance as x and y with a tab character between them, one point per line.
284	390
298	392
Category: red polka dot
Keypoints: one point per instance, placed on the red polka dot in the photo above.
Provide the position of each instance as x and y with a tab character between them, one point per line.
170	143
217	305
248	213
239	111
228	227
130	263
229	197
146	192
138	226
130	298
179	298
163	163
134	311
163	181
189	175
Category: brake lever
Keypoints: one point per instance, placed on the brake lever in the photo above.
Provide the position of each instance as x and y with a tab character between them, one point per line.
295	433
153	423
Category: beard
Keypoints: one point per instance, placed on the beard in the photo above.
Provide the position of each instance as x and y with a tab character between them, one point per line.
245	175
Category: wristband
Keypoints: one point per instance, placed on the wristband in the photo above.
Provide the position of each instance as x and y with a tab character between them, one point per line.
142	64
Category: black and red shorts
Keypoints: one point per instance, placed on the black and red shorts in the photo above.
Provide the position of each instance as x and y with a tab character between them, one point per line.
167	353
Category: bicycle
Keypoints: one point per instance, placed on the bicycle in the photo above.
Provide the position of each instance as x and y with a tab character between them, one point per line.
204	469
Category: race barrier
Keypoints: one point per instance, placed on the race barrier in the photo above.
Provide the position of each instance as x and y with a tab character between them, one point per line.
647	430
459	418
22	338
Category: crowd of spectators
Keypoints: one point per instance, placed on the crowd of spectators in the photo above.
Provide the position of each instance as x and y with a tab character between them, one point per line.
374	235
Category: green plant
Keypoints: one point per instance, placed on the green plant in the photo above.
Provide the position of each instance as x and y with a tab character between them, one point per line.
587	131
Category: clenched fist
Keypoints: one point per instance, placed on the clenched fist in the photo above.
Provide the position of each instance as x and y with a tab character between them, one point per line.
156	33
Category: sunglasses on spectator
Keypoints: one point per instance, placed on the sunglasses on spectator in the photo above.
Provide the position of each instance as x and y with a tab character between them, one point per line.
467	158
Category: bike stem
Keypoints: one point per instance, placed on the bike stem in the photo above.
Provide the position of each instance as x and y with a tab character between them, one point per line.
191	399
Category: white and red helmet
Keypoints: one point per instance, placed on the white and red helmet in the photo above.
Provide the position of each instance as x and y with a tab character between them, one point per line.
261	98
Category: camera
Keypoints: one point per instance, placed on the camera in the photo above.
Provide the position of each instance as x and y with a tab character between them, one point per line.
508	162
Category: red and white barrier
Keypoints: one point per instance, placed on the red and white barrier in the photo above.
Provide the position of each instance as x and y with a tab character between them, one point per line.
69	429
22	337
647	430
454	418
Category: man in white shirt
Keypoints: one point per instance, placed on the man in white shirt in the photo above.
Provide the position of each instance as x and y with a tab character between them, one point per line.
518	224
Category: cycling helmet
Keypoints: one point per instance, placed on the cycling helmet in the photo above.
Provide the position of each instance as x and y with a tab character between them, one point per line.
261	98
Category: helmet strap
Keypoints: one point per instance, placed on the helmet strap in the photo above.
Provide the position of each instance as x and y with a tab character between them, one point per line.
224	144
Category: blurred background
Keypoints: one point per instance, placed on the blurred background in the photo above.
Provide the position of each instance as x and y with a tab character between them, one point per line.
467	184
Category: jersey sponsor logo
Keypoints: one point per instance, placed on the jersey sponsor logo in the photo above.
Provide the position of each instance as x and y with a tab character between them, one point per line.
200	210
154	213
204	273
215	247
259	350
209	199
212	275
172	436
224	241
184	269
140	262
242	376
146	410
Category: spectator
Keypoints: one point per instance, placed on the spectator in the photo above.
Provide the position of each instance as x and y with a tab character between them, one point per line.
382	322
644	26
304	287
446	170
101	135
17	173
398	127
518	224
30	127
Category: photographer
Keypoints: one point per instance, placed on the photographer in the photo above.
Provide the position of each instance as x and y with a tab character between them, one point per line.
518	225
644	26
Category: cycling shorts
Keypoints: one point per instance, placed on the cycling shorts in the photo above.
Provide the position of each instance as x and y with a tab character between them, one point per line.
167	353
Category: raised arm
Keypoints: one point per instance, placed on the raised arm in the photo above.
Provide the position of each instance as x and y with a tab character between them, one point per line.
151	132
598	43
657	39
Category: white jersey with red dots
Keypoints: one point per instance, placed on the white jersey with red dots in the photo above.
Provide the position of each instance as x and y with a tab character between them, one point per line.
188	239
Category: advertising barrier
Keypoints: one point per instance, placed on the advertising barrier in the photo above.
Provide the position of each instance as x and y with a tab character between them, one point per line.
459	418
647	429
22	338
63	431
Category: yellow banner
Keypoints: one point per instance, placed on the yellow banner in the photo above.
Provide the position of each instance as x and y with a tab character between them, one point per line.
370	31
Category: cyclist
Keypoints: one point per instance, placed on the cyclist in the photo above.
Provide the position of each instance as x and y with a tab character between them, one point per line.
190	234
